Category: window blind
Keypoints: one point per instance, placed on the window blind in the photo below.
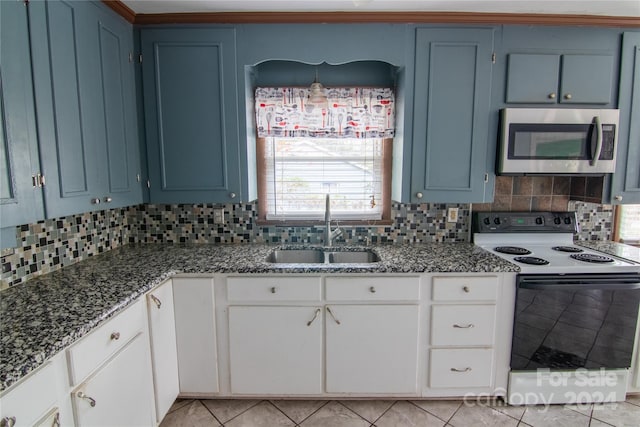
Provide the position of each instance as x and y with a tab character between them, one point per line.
629	224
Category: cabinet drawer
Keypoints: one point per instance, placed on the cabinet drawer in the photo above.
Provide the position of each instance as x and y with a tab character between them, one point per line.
465	288
96	347
274	288
32	397
450	368
373	288
462	324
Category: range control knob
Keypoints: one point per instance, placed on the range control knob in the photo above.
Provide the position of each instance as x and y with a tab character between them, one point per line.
567	220
486	221
557	220
539	220
496	221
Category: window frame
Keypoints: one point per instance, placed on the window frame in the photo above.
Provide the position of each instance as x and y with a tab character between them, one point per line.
616	227
261	166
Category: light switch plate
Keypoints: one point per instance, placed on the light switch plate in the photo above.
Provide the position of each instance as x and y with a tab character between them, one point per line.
452	215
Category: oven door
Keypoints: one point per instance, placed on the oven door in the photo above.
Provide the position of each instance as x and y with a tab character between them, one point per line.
552	141
575	321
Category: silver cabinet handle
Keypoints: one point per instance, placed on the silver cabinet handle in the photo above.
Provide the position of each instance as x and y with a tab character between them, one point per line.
618	198
8	422
467	326
596	155
335	319
273	289
156	301
568	96
466	289
419	195
95	201
467	369
115	336
372	290
108	199
552	95
91	400
232	195
314	317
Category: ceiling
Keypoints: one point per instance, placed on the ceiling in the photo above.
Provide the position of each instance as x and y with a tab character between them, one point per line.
571	7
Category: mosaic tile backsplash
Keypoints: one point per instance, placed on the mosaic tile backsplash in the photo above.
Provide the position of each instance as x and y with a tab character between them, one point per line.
49	245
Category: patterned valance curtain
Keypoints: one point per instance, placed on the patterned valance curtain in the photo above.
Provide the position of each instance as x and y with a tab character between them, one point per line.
349	113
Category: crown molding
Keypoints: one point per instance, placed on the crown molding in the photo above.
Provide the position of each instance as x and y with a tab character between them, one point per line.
121	9
370	17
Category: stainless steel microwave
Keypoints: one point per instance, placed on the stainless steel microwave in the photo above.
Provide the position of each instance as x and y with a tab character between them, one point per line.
557	141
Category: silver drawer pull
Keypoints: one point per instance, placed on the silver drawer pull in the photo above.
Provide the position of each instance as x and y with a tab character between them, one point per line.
8	422
91	400
115	336
273	289
467	369
467	326
156	301
314	317
466	289
372	289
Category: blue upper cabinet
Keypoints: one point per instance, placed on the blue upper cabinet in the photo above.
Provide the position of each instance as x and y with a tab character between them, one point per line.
20	195
451	114
626	180
552	78
85	104
191	114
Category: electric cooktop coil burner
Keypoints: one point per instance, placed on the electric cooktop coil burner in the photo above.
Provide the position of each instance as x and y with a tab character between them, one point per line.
567	249
591	258
512	250
531	260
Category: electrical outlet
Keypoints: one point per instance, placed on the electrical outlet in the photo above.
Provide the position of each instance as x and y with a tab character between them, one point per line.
218	216
452	215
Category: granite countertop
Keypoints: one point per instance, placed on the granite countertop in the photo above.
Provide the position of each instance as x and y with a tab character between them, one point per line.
619	250
43	316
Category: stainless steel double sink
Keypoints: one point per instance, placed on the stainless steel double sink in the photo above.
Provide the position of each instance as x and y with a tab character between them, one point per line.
322	256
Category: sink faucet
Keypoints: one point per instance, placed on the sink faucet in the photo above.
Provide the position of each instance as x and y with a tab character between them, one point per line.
329	235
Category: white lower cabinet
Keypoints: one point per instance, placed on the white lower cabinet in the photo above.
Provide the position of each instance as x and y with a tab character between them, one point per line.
38	399
275	350
372	348
194	307
164	355
119	393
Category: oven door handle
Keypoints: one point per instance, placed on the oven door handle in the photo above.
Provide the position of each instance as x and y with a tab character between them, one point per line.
579	282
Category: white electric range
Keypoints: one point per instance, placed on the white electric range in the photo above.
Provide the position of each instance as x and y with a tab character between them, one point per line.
576	309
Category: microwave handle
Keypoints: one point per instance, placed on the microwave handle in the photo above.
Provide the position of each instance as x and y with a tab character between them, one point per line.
596	155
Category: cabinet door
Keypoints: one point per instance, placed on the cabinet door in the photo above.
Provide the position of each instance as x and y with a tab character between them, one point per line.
194	308
275	350
626	180
85	107
191	114
533	78
451	114
121	186
20	201
121	390
374	349
164	356
586	79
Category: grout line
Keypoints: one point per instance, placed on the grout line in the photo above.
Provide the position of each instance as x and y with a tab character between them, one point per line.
388	409
351	410
311	414
280	410
212	414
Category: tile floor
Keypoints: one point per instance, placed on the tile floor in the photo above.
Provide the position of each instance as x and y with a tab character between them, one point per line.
388	413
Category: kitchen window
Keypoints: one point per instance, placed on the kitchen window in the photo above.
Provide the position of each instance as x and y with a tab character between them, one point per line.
628	224
341	147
